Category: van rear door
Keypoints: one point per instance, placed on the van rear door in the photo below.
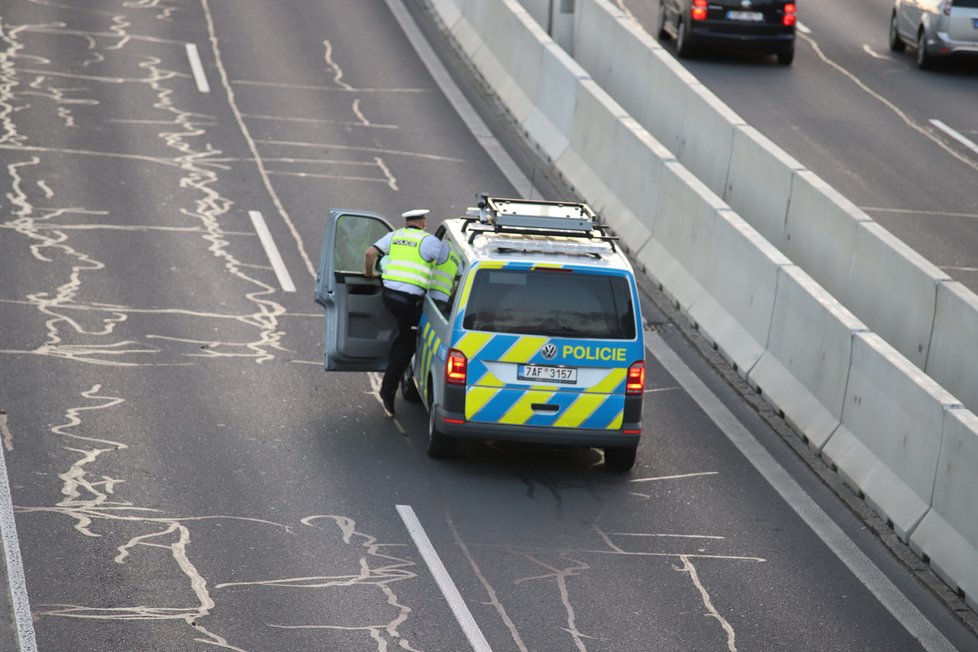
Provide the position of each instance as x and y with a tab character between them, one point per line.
358	329
549	346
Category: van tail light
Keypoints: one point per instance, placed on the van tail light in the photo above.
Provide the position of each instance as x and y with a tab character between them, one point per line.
946	7
456	366
635	380
790	15
699	10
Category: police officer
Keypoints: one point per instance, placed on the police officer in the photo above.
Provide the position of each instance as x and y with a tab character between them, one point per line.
443	277
410	252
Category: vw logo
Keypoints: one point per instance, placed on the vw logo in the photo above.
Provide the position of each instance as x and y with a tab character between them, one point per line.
549	352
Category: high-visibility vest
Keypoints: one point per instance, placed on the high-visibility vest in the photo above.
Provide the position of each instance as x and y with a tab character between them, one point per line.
404	261
443	275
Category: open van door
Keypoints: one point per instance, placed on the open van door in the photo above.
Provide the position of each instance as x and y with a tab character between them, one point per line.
358	329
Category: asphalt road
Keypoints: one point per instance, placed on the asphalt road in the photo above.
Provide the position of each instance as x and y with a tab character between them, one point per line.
862	117
186	477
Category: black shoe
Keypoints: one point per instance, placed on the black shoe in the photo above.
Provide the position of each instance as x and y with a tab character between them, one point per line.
388	403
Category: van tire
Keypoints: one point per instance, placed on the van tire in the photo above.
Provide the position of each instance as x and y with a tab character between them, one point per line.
684	48
620	458
440	445
896	41
924	59
661	32
786	56
409	391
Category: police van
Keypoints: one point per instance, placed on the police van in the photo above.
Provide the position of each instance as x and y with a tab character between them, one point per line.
540	339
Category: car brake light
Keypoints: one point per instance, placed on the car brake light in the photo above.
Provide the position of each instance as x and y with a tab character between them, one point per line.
699	10
790	15
456	366
635	380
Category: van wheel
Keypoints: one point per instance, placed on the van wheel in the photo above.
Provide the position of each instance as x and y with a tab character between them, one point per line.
683	47
440	445
896	43
409	391
620	458
786	56
924	60
661	27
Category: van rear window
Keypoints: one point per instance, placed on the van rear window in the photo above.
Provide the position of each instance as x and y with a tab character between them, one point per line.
554	303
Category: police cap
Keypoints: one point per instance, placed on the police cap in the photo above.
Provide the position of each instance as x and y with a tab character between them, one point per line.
417	214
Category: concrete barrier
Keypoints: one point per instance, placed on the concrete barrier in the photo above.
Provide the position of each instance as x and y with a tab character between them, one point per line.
895	289
551	120
820	231
513	71
953	356
804	370
591	148
889	441
734	314
948	534
707	137
759	183
680	253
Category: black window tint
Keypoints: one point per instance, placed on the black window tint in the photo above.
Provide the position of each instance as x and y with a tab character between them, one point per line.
965	4
552	303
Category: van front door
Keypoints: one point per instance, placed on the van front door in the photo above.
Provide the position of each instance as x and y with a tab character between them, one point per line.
358	329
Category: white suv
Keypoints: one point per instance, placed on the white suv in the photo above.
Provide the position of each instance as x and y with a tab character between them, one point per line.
936	28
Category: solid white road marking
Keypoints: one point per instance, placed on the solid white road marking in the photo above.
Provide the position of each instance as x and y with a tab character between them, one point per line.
444	580
827	530
955	135
198	69
272	251
803	28
15	567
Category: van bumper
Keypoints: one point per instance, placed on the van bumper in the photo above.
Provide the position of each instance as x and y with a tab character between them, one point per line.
449	424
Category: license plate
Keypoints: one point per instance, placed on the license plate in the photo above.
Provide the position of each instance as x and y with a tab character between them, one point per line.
566	375
752	16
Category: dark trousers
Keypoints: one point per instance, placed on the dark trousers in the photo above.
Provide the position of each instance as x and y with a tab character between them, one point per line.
406	308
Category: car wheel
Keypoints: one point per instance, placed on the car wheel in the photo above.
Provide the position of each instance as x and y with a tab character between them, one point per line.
661	27
409	391
786	56
440	445
683	47
896	42
620	458
924	60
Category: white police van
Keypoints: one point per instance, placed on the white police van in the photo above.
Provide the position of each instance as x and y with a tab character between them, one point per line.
540	340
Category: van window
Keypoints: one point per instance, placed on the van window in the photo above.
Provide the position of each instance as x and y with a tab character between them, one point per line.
555	303
967	4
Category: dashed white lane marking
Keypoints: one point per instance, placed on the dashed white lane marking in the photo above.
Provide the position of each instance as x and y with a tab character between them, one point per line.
955	135
198	68
444	580
824	527
15	566
272	251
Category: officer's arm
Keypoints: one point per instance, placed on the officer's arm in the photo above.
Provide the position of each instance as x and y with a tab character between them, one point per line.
370	260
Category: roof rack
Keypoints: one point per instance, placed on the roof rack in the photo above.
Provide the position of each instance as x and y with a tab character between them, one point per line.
533	217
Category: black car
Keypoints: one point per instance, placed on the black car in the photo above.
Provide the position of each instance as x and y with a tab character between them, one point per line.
751	25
